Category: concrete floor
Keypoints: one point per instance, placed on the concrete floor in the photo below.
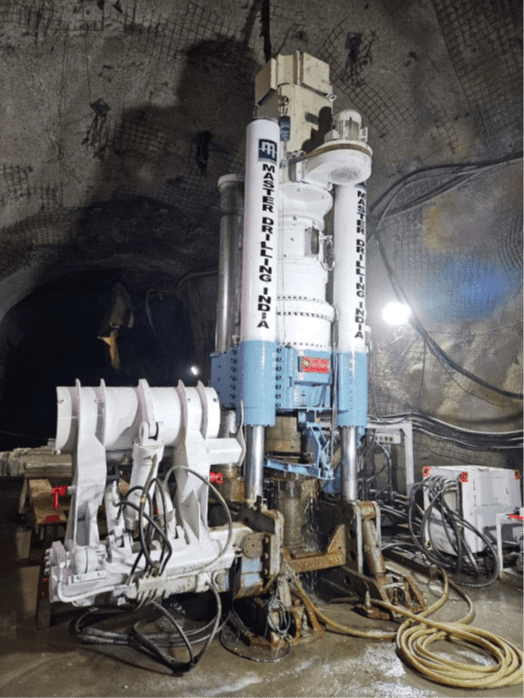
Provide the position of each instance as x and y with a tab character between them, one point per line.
52	663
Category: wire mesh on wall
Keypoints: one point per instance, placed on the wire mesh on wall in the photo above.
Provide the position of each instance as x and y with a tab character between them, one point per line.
459	254
434	451
174	213
109	230
485	46
374	96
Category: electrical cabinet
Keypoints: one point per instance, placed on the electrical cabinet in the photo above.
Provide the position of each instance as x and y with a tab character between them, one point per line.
483	492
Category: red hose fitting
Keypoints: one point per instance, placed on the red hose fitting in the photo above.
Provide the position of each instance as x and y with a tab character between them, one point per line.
61	490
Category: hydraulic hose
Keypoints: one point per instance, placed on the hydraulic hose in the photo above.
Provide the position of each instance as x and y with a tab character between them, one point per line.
149	643
221	500
413	642
417	633
463	560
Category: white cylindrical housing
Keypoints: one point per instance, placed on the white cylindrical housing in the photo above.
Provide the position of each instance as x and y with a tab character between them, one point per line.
349	278
348	124
260	243
304	316
123	413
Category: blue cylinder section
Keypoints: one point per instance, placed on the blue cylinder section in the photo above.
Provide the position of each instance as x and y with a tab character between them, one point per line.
352	389
256	381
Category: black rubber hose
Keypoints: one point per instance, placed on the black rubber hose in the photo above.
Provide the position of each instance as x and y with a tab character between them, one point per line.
437	489
155	526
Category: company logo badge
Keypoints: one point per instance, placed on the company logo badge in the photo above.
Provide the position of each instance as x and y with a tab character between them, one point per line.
267	150
314	365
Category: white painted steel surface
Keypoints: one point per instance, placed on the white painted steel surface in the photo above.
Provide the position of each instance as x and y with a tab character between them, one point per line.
484	492
304	316
349	278
144	420
260	241
123	411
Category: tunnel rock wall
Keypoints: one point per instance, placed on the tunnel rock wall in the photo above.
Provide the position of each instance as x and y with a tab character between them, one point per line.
120	117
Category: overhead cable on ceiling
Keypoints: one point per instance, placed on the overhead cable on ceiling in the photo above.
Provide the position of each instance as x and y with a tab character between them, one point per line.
462	170
265	15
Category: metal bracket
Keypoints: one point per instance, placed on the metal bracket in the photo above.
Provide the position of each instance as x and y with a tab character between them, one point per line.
375	579
320	445
146	405
308	470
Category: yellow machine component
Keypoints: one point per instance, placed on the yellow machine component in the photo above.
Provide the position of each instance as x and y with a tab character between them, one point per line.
111	342
296	86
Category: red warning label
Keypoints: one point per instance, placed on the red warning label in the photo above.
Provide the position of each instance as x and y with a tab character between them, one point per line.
313	365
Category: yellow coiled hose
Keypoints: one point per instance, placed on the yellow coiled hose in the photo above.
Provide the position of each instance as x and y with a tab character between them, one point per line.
418	633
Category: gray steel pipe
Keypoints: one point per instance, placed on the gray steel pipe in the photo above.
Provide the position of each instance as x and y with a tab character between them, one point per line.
231	188
348	464
254	464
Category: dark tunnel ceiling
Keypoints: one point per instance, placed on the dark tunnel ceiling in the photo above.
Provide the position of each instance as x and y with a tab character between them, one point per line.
437	81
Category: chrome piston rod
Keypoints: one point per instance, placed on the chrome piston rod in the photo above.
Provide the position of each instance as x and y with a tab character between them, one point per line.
348	464
254	464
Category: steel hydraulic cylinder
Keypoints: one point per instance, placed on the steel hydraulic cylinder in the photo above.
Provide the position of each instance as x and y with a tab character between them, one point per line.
254	472
258	316
349	286
231	189
348	464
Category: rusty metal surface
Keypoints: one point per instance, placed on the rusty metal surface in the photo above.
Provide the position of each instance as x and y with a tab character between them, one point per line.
292	497
35	462
417	601
252	545
367	510
334	556
364	570
232	489
305	628
261	572
331	515
394	587
284	436
371	548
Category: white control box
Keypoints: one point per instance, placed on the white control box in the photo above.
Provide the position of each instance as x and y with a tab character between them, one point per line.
484	492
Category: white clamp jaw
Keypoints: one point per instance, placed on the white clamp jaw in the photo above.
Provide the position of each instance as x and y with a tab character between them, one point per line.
143	421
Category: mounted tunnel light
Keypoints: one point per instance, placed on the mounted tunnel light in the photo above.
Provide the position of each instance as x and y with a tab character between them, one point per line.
195	370
396	313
